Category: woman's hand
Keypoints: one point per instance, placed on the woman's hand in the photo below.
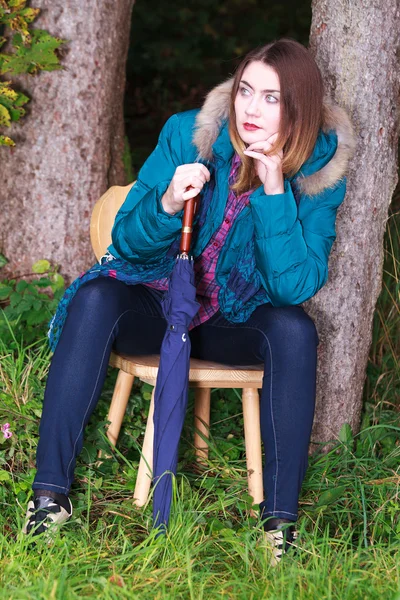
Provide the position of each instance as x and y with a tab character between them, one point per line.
195	175
269	168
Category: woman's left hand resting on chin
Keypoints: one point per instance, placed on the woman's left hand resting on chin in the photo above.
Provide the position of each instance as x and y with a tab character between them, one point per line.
269	168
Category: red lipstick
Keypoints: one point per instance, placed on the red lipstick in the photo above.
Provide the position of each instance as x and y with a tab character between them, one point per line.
250	127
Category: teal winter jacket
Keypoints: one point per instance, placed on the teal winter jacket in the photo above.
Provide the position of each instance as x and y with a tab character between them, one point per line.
278	247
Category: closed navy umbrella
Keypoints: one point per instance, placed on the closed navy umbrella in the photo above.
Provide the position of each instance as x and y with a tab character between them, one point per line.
179	306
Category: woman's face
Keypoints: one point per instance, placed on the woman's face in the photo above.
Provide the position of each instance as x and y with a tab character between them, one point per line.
257	103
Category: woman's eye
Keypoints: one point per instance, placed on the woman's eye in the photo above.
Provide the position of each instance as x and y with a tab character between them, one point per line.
270	99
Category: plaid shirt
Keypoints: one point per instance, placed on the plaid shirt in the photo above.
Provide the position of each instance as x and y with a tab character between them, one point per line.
205	264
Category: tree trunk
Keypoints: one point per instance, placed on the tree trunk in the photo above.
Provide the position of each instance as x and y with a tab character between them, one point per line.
70	145
356	46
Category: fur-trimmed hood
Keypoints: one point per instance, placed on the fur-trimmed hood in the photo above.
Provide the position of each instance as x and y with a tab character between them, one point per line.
215	111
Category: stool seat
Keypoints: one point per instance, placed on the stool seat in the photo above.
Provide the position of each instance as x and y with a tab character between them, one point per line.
202	373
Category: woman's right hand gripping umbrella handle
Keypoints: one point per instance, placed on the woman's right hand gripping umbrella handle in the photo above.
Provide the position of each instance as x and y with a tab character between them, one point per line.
186	178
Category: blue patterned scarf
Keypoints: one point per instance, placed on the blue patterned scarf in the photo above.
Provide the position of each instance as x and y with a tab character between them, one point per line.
108	266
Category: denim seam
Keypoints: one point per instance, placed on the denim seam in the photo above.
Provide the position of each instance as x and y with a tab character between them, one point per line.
280	511
50	485
94	389
272	413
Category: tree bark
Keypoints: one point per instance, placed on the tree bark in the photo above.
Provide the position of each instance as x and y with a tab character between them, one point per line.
70	145
356	45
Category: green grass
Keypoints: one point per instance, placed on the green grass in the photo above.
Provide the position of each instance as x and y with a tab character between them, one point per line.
350	543
349	518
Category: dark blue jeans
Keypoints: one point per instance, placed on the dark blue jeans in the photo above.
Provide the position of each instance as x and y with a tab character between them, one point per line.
107	314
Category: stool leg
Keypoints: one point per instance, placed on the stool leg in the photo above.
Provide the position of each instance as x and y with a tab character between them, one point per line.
252	435
144	476
202	398
122	390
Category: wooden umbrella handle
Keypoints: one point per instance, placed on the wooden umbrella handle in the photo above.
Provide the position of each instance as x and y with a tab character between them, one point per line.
187	222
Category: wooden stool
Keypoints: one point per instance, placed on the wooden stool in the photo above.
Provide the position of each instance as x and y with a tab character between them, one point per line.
203	376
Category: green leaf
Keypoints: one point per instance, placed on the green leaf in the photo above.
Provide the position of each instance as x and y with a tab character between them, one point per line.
30	14
38	55
21	286
98	483
22	99
6	141
57	281
5	291
346	435
43	282
332	495
89	453
36	318
37	305
3	260
5	117
16	3
24	305
16	113
15	299
4	475
41	266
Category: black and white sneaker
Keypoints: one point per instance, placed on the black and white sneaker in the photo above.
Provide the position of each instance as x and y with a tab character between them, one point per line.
44	514
280	538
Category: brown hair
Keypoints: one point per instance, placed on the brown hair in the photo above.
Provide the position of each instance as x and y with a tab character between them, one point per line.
300	112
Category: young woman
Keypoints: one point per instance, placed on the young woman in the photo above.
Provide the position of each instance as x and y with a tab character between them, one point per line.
268	154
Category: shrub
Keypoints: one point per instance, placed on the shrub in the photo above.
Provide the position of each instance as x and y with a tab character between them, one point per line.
26	306
31	53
